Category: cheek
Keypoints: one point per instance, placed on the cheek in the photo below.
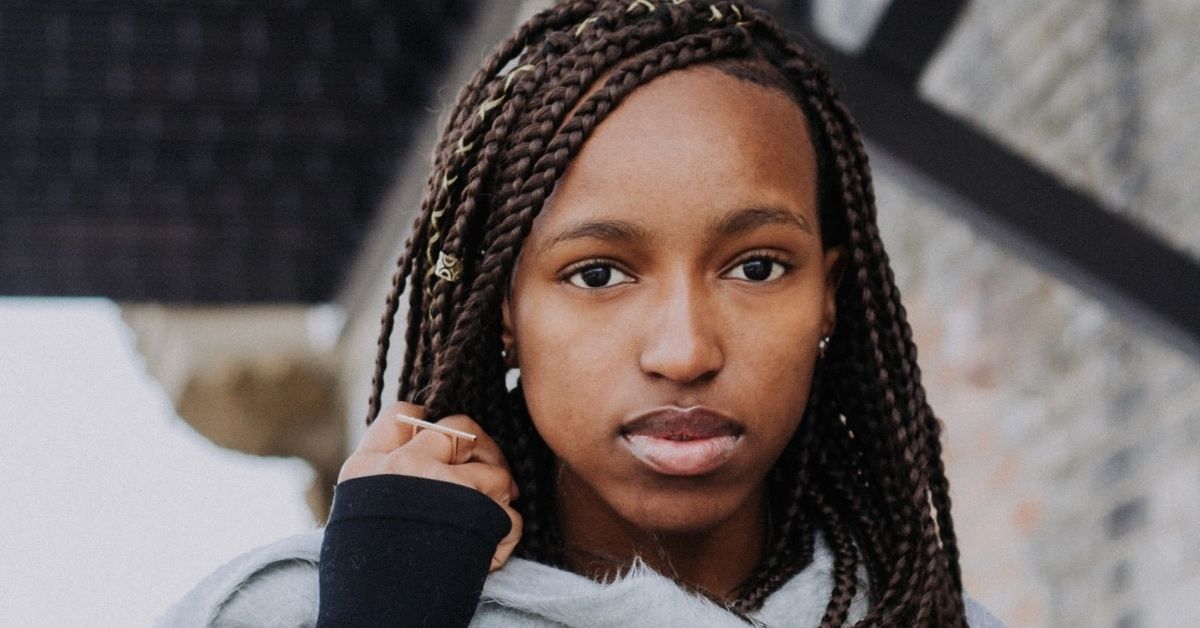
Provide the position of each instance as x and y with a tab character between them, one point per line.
566	367
781	336
773	355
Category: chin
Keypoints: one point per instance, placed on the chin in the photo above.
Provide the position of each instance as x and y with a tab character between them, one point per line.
680	511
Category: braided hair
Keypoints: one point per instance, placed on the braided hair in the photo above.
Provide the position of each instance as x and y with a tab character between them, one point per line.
863	470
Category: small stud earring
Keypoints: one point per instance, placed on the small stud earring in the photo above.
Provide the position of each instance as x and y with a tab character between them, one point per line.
822	346
510	358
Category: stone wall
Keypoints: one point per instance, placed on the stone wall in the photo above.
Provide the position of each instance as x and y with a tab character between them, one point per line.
1073	436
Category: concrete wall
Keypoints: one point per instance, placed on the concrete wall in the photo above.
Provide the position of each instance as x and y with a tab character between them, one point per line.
1073	436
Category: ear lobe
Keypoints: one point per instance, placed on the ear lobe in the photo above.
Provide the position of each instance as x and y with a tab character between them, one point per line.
835	268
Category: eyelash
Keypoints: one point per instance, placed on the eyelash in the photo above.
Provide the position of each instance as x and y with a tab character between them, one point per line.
769	256
577	268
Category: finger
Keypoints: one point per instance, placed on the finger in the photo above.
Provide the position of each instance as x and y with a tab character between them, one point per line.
443	448
486	449
493	481
386	433
505	548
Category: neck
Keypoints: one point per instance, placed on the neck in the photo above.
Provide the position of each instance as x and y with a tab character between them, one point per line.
715	558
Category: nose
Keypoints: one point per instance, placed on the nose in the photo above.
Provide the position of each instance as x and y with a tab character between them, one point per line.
681	342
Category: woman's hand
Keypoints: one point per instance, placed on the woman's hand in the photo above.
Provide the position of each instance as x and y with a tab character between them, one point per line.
389	446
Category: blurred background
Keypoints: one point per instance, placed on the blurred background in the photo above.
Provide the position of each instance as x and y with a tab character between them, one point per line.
201	202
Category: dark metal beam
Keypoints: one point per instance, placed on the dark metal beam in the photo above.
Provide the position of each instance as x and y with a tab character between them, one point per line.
1101	252
908	35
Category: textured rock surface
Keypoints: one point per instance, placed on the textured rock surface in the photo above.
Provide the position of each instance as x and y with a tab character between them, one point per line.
1073	436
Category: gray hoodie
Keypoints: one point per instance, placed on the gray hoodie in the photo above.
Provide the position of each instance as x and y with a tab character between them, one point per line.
276	586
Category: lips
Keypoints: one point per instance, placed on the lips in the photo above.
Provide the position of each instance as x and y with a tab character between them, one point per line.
682	442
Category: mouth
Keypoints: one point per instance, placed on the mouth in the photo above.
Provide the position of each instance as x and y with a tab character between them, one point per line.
682	442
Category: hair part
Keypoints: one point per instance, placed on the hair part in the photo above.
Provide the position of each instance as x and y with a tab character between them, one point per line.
864	468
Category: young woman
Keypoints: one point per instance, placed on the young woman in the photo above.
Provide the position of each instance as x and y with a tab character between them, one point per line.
661	214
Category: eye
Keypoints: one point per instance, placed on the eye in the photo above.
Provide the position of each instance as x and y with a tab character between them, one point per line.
760	268
597	274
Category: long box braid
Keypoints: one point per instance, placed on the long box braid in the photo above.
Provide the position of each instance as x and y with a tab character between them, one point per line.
864	468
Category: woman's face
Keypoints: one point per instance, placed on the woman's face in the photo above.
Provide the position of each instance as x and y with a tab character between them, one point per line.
667	305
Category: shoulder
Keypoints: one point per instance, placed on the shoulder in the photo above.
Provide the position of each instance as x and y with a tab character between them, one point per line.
273	585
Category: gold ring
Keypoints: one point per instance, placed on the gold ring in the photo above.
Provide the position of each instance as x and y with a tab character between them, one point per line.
419	424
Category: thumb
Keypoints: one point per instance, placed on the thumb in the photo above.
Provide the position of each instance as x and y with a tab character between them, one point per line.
509	543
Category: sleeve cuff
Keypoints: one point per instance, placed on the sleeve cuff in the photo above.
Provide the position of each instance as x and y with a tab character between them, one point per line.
423	500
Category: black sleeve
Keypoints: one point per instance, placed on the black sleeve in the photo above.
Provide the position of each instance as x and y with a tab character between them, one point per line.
406	551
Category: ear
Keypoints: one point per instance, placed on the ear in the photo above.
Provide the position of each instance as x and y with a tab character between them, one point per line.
506	334
835	266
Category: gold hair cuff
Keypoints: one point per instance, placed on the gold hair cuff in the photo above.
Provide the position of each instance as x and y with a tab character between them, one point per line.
583	25
447	267
488	105
512	74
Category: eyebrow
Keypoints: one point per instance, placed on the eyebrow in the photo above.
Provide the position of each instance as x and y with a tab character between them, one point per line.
608	230
751	218
738	222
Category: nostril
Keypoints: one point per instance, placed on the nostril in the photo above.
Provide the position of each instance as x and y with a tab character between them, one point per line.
683	363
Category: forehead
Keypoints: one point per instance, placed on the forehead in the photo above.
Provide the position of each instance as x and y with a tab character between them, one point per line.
696	139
